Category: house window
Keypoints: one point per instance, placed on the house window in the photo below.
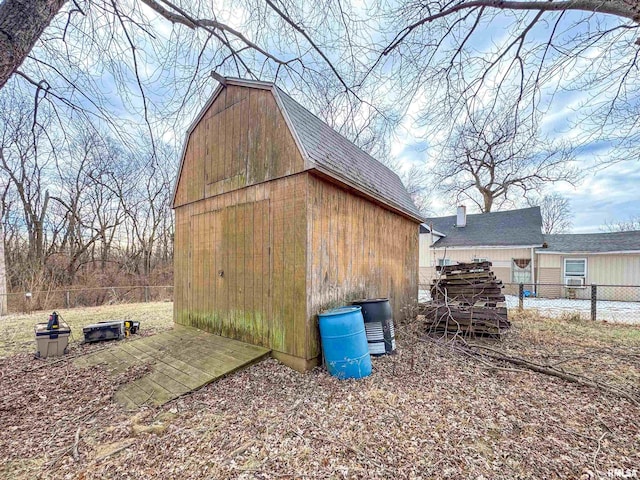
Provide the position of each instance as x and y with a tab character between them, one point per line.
479	259
443	262
521	270
575	267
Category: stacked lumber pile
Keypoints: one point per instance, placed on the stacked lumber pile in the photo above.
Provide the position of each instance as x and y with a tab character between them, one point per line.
467	283
467	298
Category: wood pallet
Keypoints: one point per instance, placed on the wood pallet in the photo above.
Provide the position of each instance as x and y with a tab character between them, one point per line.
467	282
466	298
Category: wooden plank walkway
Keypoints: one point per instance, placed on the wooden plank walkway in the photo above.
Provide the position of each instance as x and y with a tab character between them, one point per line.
181	360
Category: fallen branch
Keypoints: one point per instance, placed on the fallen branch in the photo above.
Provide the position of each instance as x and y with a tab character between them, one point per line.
595	455
76	454
114	452
495	355
568	376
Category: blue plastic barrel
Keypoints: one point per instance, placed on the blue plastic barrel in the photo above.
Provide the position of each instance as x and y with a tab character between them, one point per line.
344	342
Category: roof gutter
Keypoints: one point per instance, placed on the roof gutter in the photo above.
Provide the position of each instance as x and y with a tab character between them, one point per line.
485	247
585	252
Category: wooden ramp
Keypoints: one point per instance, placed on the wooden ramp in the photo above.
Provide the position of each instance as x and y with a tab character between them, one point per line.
181	360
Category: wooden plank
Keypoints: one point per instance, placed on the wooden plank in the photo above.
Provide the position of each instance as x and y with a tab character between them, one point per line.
277	277
157	394
300	266
288	257
196	284
258	250
180	360
218	269
315	262
324	287
217	162
254	165
225	129
267	278
131	396
375	254
263	138
238	160
243	129
163	376
251	316
234	279
181	371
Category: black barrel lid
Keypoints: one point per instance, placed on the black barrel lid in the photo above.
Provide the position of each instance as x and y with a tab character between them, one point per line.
370	300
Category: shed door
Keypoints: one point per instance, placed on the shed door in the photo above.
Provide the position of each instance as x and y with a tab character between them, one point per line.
230	271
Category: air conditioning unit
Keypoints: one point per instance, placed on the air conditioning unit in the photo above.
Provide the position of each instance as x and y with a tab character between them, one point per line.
574	282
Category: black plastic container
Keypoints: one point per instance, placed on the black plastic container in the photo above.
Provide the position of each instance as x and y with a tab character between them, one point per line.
102	331
378	324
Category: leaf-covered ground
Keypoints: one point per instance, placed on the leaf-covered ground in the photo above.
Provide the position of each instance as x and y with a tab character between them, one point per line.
427	412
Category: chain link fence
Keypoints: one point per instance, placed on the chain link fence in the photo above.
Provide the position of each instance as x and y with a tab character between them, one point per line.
21	302
613	303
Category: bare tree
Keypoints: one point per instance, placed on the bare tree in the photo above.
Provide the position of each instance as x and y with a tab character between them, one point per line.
556	213
630	225
25	155
495	156
3	270
416	181
541	57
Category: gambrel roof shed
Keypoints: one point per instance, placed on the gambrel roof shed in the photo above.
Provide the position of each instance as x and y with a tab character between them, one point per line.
279	217
328	152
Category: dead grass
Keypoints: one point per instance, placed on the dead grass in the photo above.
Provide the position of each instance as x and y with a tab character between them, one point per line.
573	329
17	329
427	412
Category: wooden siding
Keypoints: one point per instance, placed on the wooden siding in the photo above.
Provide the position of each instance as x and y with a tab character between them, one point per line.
261	245
357	250
240	265
241	140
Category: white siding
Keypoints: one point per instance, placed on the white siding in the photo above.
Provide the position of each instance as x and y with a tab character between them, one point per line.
500	258
615	269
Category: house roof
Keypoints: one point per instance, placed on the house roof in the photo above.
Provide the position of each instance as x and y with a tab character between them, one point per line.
521	227
592	242
330	151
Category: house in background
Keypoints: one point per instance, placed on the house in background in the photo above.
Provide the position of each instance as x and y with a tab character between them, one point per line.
279	217
552	266
507	239
592	258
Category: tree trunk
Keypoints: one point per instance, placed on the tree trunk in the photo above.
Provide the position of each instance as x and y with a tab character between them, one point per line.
488	201
21	24
3	276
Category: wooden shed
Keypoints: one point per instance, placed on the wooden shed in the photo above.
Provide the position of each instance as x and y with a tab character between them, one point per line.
279	217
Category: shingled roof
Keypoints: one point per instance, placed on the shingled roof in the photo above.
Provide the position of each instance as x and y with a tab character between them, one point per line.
330	151
592	242
521	227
